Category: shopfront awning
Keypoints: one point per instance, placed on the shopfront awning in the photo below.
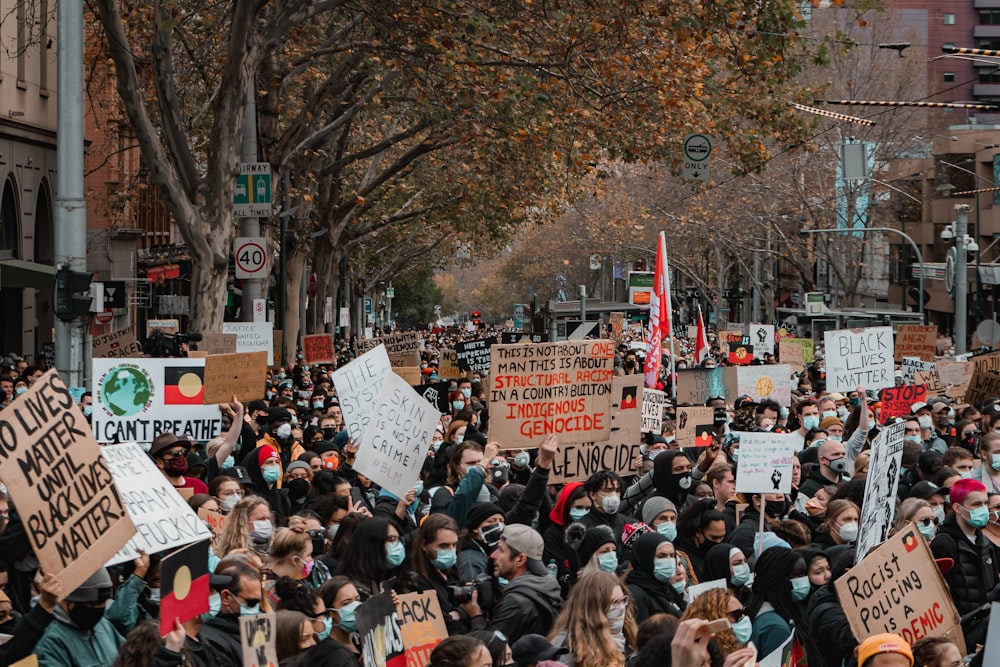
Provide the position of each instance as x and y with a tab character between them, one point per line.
21	274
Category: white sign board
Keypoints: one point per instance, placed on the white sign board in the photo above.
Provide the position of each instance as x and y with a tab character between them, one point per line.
859	357
765	463
653	402
393	450
771	381
358	386
913	365
879	507
762	339
697	151
252	337
250	255
163	519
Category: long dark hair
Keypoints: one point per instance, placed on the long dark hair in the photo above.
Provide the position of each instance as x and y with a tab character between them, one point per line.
427	534
771	584
364	561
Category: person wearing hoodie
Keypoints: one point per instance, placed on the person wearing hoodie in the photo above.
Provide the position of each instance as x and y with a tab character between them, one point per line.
85	630
747	532
827	622
670	478
590	550
604	489
279	436
263	465
484	525
699	528
531	601
727	562
654	564
572	504
26	632
240	597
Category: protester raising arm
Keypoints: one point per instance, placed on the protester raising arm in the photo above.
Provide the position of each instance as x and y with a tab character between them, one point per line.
124	611
536	489
470	486
232	436
856	442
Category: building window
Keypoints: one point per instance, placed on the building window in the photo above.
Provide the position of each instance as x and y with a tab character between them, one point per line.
949	77
989	16
949	19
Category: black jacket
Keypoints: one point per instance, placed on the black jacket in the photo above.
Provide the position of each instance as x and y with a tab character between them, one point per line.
529	605
973	576
745	535
814	482
25	635
652	597
222	636
327	653
616	522
829	628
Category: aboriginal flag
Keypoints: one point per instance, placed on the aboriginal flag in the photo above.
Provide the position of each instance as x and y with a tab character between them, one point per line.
629	398
740	354
184	585
183	385
703	435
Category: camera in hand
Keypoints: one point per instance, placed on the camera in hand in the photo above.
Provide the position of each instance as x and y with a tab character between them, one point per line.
483	584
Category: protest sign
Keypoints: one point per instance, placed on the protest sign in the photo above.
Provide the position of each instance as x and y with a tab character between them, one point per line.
379	632
955	374
448	365
165	326
616	323
577	462
240	374
790	352
913	365
695	426
896	401
399	343
421	624
772	382
765	463
992	631
252	337
277	337
879	507
989	362
859	357
626	408
653	402
915	340
694	590
408	360
117	344
730	336
741	353
318	349
474	356
436	394
552	388
138	399
808	346
781	656
408	373
358	385
257	634
215	521
762	338
393	449
72	514
982	386
898	588
217	343
162	518
697	385
183	585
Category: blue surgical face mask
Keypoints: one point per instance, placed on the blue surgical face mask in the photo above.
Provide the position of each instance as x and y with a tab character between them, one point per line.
229	462
271	474
927	531
249	611
457	405
577	513
995	461
88	410
418	488
800	588
979	516
347	620
214	606
318	405
466	391
327	627
668	529
810	422
503	582
608	562
664	569
445	558
679	586
20	390
741	574
395	554
743	629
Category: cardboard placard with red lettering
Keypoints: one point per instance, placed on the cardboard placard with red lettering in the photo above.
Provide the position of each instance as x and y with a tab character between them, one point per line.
422	625
318	349
898	588
896	401
916	340
215	521
562	388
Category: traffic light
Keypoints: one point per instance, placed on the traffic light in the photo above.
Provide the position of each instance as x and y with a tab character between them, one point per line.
72	294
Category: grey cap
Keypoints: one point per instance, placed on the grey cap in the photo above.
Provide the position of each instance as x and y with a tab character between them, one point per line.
97	588
653	506
295	465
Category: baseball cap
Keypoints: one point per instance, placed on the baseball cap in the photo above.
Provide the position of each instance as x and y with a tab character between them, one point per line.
527	541
532	649
744	402
938	406
836	396
883	643
165	441
239	473
917	407
926	489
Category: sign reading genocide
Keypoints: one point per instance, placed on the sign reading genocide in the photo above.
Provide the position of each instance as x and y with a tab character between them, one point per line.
257	634
252	337
772	382
117	344
65	495
163	519
915	340
421	624
653	402
561	388
896	401
474	355
318	349
898	588
358	385
240	375
765	463
879	507
394	448
856	357
399	343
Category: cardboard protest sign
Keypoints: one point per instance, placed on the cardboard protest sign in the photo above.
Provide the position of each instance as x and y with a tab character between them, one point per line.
318	349
183	585
72	513
577	462
790	352
989	362
616	324
218	343
252	337
695	426
896	401
912	365
448	365
163	519
257	635
381	636
879	507
772	382
421	624
982	386
399	343
697	385
216	521
410	374
408	360
898	588
762	338
915	340
955	374
808	346
474	355
117	344
856	357
627	393
138	399
237	374
552	388
358	385
730	336
393	449
653	402
765	463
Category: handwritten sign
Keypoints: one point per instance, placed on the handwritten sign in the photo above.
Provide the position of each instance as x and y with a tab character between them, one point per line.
879	507
318	349
695	426
392	450
983	385
358	385
215	521
989	362
653	402
616	324
252	337
772	382
552	388
913	365
421	624
765	463
257	634
163	519
790	352
474	356
697	385
808	348
448	365
762	338
237	374
381	637
576	463
52	466
898	588
896	401
856	357
120	344
218	343
399	343
915	340
408	360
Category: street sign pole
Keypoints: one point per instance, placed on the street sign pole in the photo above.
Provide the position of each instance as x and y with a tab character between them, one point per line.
253	288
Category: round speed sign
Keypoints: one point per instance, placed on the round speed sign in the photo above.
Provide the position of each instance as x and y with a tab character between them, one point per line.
251	257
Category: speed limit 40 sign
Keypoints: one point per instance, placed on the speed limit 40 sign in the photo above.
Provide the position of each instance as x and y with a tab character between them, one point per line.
251	257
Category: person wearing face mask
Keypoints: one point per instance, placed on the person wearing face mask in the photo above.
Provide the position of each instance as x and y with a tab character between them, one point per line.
780	585
745	535
809	418
484	525
928	436
988	472
604	490
591	550
943	416
827	623
840	526
241	597
465	482
654	565
328	652
341	600
227	491
670	478
992	529
26	631
279	436
572	504
833	464
298	483
435	560
291	556
170	453
86	630
727	562
248	526
376	556
263	465
699	528
961	538
597	624
721	603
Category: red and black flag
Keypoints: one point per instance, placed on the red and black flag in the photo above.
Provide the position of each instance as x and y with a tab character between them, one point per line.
184	585
629	398
740	354
183	385
704	434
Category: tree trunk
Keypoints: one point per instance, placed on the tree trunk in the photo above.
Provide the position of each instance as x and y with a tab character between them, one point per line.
208	291
295	266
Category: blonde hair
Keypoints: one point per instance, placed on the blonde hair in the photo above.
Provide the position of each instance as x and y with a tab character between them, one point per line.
584	620
708	606
907	509
235	534
287	543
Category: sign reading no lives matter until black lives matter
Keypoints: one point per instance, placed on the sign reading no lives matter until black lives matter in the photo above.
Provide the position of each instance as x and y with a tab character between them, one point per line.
63	489
552	388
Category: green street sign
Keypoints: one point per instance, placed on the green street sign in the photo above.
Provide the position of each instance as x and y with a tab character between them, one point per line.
252	195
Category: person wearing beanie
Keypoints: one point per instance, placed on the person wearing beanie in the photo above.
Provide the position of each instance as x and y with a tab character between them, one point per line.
572	504
884	650
591	549
961	538
661	515
263	465
484	524
279	436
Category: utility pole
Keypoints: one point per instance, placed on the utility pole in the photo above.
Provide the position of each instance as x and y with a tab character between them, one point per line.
250	227
961	278
755	302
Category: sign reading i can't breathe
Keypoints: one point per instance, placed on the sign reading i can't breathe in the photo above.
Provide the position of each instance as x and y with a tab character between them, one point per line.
856	357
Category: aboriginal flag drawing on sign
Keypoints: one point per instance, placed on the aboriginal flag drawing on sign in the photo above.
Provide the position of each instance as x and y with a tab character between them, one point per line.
183	385
184	585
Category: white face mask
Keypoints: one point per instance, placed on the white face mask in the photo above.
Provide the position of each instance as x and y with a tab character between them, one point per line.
284	431
925	421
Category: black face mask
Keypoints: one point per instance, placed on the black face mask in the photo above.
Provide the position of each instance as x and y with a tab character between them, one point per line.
298	488
329	433
8	627
86	617
682	480
775	508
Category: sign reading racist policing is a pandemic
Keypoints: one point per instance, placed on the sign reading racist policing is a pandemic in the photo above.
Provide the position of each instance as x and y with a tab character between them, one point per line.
551	388
856	357
72	514
138	399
